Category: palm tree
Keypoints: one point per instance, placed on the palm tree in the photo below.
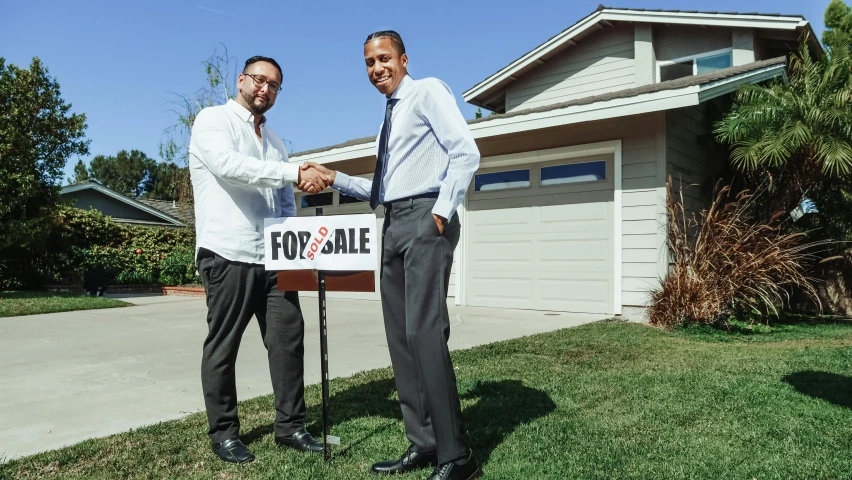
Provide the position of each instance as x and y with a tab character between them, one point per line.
798	135
806	121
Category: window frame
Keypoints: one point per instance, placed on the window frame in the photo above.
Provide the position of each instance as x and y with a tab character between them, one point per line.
693	59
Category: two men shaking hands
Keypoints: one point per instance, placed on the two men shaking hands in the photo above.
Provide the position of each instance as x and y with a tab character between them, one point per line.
314	178
425	160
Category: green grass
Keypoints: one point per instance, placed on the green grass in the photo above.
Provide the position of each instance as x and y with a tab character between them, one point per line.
13	304
606	400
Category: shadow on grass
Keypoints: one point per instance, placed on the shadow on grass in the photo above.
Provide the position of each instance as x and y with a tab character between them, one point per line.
831	387
499	408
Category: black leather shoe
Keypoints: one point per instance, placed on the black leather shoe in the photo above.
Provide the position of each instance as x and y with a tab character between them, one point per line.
463	469
233	450
301	440
410	460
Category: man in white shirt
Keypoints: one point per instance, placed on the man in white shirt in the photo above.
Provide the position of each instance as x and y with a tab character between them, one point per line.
241	175
425	161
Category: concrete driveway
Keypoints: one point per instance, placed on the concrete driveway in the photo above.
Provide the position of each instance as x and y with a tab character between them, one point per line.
66	377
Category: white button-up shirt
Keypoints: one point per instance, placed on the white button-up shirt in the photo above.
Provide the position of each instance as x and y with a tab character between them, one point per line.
237	181
430	149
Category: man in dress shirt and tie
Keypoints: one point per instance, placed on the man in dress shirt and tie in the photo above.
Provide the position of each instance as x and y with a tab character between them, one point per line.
426	158
240	175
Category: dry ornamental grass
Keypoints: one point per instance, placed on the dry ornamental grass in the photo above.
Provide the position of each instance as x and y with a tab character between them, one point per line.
723	256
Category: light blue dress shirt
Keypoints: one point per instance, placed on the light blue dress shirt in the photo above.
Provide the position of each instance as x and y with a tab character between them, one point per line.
430	149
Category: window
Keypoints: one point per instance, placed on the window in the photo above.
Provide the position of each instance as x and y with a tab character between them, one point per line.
694	65
346	199
573	173
715	62
502	180
675	70
318	200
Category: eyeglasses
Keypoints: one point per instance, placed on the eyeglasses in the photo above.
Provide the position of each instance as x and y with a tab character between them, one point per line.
260	81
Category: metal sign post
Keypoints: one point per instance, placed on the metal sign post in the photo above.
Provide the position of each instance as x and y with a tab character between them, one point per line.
326	425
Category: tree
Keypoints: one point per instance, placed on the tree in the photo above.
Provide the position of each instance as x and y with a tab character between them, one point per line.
81	174
165	178
133	174
38	135
838	24
128	173
798	135
804	123
478	113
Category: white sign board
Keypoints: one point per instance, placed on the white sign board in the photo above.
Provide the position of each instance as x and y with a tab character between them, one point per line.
334	242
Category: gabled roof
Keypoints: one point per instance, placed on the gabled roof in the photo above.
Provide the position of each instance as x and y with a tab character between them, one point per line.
490	89
96	186
774	66
690	91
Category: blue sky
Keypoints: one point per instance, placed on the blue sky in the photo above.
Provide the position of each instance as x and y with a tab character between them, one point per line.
119	61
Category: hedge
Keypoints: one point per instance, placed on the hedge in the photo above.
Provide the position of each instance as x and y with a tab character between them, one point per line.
80	240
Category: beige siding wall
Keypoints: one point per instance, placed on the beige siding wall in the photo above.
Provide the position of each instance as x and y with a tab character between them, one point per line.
600	63
688	162
676	41
643	220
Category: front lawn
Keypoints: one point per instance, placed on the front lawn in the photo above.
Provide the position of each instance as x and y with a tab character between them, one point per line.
13	304
606	400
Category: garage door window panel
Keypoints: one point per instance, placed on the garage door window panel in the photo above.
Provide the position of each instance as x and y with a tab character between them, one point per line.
571	173
503	180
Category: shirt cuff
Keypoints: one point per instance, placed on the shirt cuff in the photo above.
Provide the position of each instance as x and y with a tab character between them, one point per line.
444	209
341	181
289	173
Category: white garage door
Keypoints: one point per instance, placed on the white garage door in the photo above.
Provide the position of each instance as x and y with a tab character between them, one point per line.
541	236
335	203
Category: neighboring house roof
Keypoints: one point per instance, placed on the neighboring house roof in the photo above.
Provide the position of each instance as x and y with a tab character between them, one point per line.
657	96
96	186
170	207
486	91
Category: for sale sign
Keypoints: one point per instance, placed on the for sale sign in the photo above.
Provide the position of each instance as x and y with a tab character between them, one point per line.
334	242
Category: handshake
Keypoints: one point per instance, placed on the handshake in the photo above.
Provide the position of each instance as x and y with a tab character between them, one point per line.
314	178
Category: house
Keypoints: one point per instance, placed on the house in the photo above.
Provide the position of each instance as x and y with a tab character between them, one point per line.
91	195
567	210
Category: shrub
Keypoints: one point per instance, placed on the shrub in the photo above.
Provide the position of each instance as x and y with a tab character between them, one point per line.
729	262
178	268
134	277
87	239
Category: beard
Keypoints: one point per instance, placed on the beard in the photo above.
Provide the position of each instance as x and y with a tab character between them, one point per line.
257	106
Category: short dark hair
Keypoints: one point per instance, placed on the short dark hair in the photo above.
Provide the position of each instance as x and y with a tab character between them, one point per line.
396	40
258	58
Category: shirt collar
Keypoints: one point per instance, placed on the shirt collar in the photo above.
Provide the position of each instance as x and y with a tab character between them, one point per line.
403	88
242	112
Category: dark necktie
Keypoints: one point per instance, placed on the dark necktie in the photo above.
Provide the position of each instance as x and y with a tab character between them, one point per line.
382	155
